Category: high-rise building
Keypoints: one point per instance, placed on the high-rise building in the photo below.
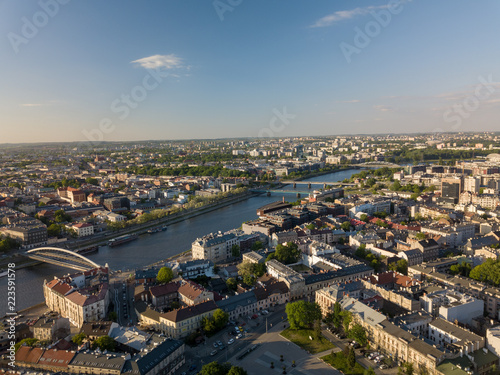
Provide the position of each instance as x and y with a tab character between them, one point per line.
451	187
472	184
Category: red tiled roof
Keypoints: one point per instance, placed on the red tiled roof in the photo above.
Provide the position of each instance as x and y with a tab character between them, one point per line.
28	354
161	290
190	291
58	358
59	286
189	312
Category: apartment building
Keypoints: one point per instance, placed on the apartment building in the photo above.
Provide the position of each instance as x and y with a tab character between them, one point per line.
215	246
80	298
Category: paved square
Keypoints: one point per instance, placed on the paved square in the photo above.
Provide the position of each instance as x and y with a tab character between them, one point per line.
272	345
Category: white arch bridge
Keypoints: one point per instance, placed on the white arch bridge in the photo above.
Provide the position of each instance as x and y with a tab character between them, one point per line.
62	257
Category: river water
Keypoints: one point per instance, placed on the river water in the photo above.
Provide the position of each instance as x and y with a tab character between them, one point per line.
150	248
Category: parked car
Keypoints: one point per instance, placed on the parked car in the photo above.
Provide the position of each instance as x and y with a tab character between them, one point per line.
230	341
239	336
213	352
255	316
215	345
219	343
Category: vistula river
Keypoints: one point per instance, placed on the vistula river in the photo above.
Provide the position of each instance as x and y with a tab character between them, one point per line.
150	248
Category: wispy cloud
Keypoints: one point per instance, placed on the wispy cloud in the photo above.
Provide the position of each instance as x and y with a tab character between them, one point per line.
383	108
349	101
159	61
342	15
30	105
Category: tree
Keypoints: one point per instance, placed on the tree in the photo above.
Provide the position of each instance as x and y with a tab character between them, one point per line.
235	370
358	333
396	186
369	371
249	280
215	368
78	338
420	236
259	269
346	320
364	217
288	253
215	322
27	342
61	216
257	245
104	343
302	314
346	226
165	275
337	315
231	283
317	329
400	266
113	316
235	250
351	358
54	230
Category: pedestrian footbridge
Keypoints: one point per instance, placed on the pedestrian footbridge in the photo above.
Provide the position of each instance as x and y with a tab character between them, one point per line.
61	257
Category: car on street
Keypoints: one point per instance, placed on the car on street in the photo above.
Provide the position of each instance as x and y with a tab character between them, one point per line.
213	352
219	343
265	312
215	345
230	341
239	336
192	367
255	316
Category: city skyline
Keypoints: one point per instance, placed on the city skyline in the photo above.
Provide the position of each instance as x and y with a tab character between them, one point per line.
79	72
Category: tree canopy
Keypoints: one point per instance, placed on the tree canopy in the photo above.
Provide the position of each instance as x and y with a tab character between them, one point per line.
488	272
104	343
302	314
216	368
215	322
286	254
165	275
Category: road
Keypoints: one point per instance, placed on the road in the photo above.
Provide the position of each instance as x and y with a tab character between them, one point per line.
122	293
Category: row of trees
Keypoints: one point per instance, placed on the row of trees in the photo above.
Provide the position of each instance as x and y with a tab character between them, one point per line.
185	170
216	368
339	318
373	259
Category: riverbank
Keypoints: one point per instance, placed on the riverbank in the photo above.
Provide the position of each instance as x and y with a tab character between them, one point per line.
167	220
322	173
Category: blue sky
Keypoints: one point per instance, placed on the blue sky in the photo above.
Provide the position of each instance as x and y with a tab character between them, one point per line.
433	66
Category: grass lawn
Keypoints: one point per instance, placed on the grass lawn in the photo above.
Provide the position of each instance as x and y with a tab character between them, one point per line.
301	338
339	361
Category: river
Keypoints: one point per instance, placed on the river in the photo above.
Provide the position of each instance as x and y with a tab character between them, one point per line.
150	248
